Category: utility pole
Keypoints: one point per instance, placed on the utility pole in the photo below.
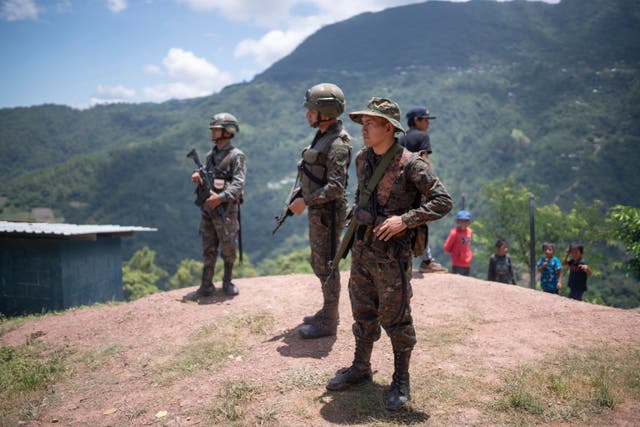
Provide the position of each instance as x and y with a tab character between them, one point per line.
532	244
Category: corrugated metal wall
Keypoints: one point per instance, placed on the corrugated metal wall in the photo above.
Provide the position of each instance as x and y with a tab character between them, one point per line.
39	275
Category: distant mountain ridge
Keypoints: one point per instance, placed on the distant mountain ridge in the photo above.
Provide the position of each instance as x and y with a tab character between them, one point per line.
446	34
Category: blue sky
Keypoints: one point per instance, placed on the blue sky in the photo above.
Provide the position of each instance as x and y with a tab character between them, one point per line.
86	52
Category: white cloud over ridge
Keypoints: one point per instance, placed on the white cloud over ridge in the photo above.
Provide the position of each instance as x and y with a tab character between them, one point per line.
116	6
192	77
18	10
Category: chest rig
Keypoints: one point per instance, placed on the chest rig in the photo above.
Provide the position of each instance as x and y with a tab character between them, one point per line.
313	165
219	168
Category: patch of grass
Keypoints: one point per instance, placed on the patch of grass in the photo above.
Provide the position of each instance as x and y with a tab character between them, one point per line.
266	416
301	378
577	387
25	373
259	323
96	356
232	399
134	413
8	324
214	344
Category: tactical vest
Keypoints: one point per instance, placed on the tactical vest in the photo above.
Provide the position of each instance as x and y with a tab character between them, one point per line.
313	165
222	173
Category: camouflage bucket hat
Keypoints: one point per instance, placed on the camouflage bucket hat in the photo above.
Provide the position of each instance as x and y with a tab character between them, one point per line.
380	107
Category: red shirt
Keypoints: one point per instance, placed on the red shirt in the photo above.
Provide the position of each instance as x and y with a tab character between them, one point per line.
458	244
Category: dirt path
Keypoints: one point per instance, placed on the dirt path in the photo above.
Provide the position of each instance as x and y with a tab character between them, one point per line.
126	360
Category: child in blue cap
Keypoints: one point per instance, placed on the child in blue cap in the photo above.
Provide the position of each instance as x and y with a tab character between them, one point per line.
458	244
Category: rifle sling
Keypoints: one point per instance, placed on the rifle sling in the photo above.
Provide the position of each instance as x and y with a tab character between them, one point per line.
364	199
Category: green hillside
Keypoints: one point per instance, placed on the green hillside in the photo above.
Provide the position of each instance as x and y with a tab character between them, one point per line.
547	94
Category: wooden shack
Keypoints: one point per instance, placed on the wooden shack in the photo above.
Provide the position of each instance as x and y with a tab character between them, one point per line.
45	266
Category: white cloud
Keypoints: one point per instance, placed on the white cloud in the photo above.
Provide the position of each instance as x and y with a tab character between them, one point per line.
193	76
271	47
17	10
152	69
118	91
116	6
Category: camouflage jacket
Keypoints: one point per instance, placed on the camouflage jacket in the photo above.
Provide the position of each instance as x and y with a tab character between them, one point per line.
399	191
327	160
233	174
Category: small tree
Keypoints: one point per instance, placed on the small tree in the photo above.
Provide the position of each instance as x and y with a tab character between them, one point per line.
188	274
140	275
625	226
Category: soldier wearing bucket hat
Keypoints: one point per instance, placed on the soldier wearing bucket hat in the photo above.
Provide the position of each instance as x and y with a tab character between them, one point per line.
417	140
379	285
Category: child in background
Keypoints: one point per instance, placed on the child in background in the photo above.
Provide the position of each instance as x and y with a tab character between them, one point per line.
550	269
500	268
458	244
578	271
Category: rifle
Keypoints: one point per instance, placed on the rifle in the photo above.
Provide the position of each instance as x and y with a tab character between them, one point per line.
286	212
204	193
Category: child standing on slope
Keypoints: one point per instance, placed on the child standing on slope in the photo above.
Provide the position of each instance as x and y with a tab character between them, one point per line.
458	244
500	268
550	269
578	271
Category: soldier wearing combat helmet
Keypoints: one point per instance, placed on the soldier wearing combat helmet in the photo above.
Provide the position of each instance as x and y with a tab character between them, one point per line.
323	179
219	223
379	285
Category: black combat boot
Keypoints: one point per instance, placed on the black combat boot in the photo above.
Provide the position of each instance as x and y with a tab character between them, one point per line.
322	326
399	391
228	287
325	322
358	372
308	320
206	288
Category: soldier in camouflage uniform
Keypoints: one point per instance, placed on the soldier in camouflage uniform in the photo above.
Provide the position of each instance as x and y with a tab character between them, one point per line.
219	214
379	285
323	173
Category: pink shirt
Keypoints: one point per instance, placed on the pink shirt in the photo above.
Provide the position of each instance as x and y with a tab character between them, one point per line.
458	244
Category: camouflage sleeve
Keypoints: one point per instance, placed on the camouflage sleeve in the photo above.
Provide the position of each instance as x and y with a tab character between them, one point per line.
437	201
235	187
337	167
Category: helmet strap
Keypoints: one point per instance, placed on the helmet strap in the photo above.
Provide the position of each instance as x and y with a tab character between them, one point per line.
320	120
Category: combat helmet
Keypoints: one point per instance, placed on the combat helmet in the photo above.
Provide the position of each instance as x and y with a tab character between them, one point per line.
225	121
326	98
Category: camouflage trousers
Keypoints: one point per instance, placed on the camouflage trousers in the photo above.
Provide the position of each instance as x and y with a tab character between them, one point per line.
218	233
320	220
376	292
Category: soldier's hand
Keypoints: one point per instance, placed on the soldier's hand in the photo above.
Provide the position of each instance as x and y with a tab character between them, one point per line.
213	201
195	177
298	206
390	227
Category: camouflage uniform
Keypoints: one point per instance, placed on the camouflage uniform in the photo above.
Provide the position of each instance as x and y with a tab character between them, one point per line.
379	285
376	283
214	230
323	180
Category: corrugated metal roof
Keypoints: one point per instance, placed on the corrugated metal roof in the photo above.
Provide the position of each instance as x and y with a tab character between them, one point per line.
37	229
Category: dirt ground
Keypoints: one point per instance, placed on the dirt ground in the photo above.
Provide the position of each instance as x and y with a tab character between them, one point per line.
466	327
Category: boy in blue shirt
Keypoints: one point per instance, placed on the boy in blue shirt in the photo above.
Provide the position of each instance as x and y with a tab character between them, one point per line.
550	269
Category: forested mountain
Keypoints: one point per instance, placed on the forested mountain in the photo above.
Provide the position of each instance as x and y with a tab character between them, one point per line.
544	93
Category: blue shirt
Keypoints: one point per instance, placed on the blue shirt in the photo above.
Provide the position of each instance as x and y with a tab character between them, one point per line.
549	276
